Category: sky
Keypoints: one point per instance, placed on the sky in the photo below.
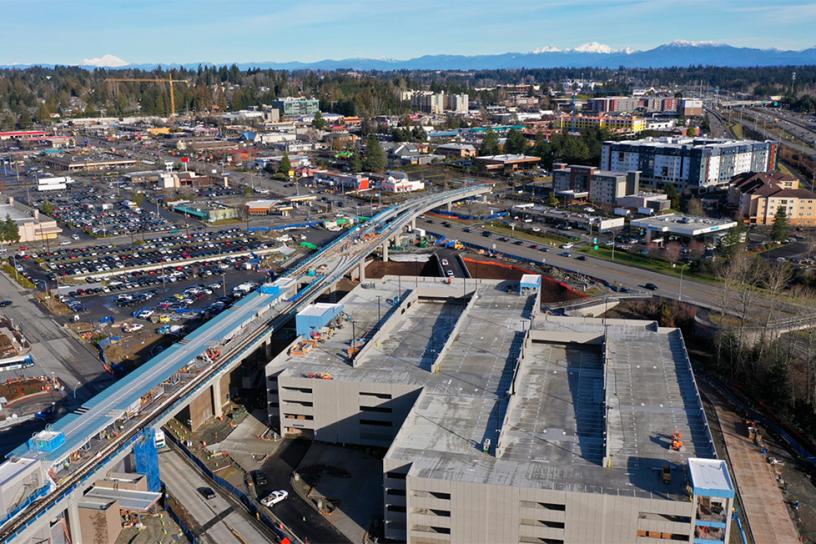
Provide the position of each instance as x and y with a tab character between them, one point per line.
225	31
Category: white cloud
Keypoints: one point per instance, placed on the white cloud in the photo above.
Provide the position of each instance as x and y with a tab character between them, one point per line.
105	61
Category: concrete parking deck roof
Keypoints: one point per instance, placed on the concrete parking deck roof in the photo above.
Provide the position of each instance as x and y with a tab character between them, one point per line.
551	432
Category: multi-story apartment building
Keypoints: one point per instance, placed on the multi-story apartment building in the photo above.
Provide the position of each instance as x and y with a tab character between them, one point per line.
758	196
628	124
601	186
294	106
437	103
503	425
698	164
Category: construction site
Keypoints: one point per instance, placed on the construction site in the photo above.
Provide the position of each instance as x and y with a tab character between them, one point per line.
503	424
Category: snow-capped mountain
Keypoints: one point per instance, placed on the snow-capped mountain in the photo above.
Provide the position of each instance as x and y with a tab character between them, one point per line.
105	61
589	55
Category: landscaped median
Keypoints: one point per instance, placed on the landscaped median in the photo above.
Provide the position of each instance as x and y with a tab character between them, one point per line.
13	274
538	237
647	263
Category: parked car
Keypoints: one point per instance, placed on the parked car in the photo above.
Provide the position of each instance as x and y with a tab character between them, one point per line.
275	497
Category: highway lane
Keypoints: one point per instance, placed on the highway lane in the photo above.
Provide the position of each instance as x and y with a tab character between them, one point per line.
223	522
709	295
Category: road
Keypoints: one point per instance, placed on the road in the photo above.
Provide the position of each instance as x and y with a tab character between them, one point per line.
708	295
221	519
55	353
294	512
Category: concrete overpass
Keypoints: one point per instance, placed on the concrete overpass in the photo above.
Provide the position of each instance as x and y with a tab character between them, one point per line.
44	479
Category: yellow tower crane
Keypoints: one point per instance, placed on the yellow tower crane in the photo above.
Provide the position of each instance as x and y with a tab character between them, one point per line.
170	82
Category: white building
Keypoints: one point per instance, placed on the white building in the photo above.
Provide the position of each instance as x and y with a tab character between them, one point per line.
694	163
54	184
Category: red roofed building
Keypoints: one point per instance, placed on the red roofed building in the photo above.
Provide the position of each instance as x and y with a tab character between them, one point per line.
22	134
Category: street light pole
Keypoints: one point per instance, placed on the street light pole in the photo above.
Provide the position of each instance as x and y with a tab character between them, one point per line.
680	294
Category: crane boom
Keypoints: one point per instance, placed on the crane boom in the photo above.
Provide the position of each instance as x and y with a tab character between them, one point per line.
170	81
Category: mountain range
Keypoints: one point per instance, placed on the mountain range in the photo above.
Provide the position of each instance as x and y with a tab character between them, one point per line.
591	55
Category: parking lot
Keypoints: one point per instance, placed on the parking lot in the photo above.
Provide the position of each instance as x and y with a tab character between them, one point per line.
126	259
99	210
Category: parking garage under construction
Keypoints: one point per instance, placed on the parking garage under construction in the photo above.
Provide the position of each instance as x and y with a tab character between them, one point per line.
505	425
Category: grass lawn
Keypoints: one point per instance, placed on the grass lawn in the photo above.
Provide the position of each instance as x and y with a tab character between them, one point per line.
647	263
539	237
12	273
736	128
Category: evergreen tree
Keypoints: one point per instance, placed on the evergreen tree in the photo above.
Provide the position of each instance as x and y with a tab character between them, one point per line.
779	232
673	194
375	159
318	122
285	165
490	144
516	142
356	163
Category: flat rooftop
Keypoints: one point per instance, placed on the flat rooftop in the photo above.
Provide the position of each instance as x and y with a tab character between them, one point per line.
511	398
684	224
670	142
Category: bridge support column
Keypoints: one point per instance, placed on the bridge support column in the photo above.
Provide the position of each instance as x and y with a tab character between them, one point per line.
361	271
217	398
449	206
201	409
268	349
74	523
413	224
385	251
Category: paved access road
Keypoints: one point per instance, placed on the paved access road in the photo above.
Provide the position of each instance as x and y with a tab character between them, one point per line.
221	520
55	351
703	294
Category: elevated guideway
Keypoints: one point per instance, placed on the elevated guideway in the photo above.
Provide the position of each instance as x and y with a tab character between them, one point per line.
107	426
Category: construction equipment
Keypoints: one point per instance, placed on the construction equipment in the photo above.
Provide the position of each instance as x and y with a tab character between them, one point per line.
677	441
169	80
666	474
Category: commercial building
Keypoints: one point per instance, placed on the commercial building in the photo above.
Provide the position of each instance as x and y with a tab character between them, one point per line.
657	202
698	164
456	151
74	163
346	182
32	226
398	182
503	425
758	196
681	225
294	106
507	163
599	186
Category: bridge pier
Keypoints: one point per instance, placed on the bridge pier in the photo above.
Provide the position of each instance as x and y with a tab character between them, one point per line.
361	271
268	349
218	397
74	521
449	206
413	224
385	251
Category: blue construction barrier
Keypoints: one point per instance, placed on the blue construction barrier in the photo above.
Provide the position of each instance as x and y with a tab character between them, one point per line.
147	458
